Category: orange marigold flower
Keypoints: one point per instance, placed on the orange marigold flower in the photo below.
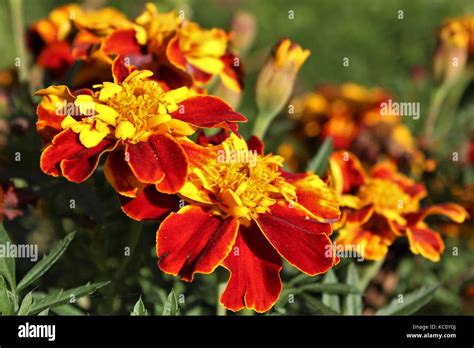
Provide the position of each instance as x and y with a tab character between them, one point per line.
134	118
245	214
351	115
180	52
382	206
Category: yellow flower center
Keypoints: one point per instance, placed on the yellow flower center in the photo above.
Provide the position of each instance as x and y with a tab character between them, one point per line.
246	189
387	198
131	111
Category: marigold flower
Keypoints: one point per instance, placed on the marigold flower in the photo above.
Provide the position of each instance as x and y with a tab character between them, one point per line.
180	52
245	216
133	117
385	205
351	115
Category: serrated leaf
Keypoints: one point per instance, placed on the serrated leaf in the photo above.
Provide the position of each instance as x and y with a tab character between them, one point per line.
412	302
26	304
319	162
353	302
61	297
139	309
7	264
171	305
318	306
331	300
45	264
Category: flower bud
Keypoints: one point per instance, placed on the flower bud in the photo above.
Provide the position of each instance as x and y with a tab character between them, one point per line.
276	80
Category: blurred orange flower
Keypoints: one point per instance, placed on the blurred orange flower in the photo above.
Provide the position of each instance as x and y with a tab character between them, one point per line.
381	206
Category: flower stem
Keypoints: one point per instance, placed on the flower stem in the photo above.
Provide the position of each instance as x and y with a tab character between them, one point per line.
16	10
220	309
262	121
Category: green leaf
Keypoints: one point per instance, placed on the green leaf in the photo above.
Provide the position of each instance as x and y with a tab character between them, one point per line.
369	272
6	299
411	303
319	162
26	304
7	264
61	297
353	302
330	300
67	309
333	288
44	313
318	306
139	309
171	305
45	264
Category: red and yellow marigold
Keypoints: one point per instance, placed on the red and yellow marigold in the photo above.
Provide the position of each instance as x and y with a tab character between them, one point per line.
134	118
245	216
384	205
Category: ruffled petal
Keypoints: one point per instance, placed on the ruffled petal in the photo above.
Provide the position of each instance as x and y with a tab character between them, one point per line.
302	241
67	156
161	161
316	196
254	268
194	241
425	242
119	174
207	112
149	204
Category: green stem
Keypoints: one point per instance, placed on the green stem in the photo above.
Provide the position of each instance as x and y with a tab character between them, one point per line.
369	272
261	124
16	10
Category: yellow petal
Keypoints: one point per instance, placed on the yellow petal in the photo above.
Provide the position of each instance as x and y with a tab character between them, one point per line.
180	128
106	113
176	95
125	130
68	122
108	90
90	137
209	65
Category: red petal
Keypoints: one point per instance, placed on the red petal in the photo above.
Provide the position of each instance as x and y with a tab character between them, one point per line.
67	156
194	241
254	268
149	204
347	172
174	54
358	216
302	242
426	242
56	57
255	144
233	72
216	139
48	123
207	112
316	196
160	160
122	42
451	210
119	175
120	71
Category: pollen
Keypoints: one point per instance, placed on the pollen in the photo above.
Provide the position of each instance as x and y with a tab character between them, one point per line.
245	190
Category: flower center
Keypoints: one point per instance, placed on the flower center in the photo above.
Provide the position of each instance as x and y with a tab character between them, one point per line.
386	197
246	189
145	108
